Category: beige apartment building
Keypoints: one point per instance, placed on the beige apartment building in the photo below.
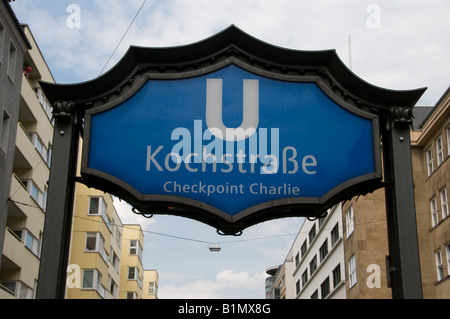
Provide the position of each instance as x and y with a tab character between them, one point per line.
96	247
365	239
151	283
131	268
28	192
106	255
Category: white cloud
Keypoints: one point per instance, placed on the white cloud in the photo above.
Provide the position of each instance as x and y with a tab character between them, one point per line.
409	50
228	282
234	278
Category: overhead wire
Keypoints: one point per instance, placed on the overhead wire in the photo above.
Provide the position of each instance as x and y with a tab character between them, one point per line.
123	37
199	240
190	239
146	231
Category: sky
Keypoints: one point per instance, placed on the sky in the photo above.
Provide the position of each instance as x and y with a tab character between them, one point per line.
395	44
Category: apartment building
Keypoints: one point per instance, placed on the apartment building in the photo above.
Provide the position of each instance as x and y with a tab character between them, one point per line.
26	134
364	228
431	165
96	247
151	283
314	266
272	288
366	247
13	46
106	255
28	182
131	268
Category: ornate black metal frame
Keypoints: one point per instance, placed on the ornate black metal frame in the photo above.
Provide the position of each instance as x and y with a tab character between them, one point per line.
232	46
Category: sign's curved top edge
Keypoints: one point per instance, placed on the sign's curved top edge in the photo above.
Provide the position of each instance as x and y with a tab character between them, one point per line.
232	41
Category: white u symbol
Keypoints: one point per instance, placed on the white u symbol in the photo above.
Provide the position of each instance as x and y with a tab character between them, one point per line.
250	120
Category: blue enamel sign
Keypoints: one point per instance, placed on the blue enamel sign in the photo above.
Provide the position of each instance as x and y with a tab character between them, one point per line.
231	142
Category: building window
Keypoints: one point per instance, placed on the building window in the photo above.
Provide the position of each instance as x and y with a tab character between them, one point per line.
96	243
434	212
313	265
351	271
439	265
325	288
312	234
322	221
315	294
447	251
113	288
91	242
2	41
12	61
297	287
115	260
39	145
131	295
297	260
135	248
39	197
275	293
336	275
118	237
97	206
349	221
88	279
31	242
335	234
92	279
444	203
304	248
323	250
4	131
448	140
44	103
152	288
133	274
439	150
304	277
430	166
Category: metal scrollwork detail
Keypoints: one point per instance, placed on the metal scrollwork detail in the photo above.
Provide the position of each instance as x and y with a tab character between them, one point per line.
400	117
63	110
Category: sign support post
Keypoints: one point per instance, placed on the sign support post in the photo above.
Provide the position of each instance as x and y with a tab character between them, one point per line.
58	221
404	262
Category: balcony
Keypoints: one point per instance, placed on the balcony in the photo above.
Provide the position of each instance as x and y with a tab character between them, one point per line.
6	292
27	159
14	249
32	108
20	262
17	211
16	289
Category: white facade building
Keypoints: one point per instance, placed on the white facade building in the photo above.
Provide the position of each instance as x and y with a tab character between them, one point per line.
315	267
